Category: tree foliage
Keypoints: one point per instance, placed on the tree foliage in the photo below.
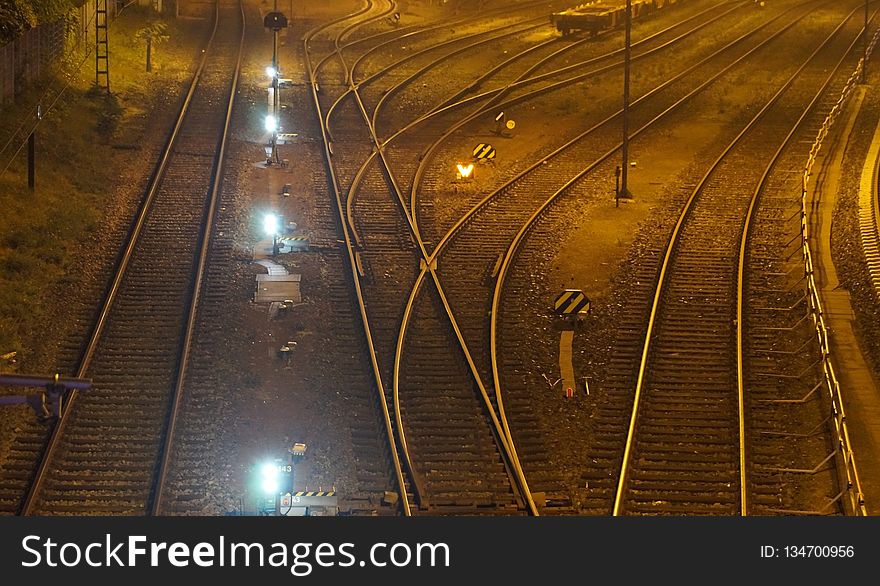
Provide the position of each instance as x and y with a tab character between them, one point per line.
155	31
51	10
17	16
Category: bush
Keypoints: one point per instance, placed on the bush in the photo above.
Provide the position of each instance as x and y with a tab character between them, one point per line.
109	115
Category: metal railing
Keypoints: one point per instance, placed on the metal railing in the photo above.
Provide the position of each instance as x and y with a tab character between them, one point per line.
853	491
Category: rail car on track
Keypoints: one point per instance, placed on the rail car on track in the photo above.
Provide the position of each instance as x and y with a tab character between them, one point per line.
602	15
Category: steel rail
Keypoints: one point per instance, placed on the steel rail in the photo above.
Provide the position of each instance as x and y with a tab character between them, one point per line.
334	185
641	99
662	277
509	255
743	253
418	239
499	435
428	266
337	52
399	33
509	460
493	95
121	270
204	246
350	72
506	452
507	260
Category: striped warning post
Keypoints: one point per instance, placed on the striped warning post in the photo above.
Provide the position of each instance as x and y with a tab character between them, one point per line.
572	302
294	241
484	151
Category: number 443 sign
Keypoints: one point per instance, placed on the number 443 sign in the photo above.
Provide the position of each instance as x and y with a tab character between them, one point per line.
288	500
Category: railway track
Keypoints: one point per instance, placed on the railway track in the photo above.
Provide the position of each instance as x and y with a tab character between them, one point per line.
438	403
388	240
110	451
690	439
481	246
476	244
474	491
773	496
392	241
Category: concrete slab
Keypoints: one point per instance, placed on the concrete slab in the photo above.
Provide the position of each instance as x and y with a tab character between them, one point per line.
277	288
566	367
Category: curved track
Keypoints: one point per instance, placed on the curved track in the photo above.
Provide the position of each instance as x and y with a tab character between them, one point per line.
391	239
690	438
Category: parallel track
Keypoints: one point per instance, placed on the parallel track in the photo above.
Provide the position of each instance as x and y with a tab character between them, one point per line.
690	437
108	453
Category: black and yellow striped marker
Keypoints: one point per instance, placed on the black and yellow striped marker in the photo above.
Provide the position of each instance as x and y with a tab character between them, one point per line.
572	302
484	151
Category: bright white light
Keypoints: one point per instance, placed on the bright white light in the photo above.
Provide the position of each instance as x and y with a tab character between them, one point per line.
271	485
271	72
270	224
464	171
271	124
269	473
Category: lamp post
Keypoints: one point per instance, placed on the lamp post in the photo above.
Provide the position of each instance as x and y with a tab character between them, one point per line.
271	117
617	186
276	21
275	101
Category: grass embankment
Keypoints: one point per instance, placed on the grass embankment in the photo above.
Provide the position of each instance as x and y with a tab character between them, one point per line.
77	167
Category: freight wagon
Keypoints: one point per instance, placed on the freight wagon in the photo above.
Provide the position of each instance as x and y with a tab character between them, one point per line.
602	15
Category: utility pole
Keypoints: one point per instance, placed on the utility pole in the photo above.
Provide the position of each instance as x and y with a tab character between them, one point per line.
865	57
32	155
32	152
624	190
617	186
